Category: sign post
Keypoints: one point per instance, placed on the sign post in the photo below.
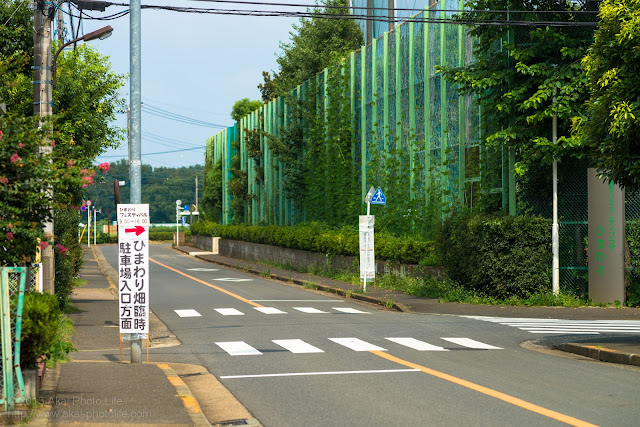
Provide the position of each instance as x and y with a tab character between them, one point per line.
178	203
133	277
366	231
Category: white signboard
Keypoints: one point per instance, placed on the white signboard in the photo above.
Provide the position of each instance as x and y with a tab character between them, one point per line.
133	268
367	255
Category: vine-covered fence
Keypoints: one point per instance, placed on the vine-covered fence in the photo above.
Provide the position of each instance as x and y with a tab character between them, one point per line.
382	117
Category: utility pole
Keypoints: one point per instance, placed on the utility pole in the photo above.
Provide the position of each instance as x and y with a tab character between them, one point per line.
197	193
135	100
60	27
42	107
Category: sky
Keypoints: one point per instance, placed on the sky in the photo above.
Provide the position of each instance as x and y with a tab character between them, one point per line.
193	65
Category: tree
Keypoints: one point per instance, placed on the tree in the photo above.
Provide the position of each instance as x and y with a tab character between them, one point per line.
523	75
243	107
315	43
610	127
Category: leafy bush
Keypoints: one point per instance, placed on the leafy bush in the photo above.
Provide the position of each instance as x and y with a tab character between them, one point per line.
633	289
498	256
68	254
40	319
317	237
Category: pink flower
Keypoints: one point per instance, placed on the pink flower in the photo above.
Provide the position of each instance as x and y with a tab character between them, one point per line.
15	158
53	144
0	135
84	185
44	245
21	145
104	167
70	163
62	250
9	226
9	235
4	180
83	171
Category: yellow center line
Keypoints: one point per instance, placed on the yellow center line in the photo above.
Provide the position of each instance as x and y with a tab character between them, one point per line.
488	391
224	291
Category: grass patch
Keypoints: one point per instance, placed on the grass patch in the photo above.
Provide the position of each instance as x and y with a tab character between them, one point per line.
79	282
449	291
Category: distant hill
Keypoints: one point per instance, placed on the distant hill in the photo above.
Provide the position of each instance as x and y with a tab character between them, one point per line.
161	187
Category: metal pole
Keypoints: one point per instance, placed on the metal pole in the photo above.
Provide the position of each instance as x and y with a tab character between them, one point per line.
135	99
95	228
555	229
89	226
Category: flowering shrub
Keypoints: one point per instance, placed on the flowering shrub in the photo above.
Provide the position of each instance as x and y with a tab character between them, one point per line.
24	176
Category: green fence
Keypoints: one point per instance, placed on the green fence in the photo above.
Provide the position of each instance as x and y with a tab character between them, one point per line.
12	296
383	117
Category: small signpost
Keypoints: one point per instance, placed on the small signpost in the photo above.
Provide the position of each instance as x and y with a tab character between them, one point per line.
133	268
366	232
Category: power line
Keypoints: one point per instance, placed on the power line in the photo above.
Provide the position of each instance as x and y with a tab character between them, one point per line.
159	112
384	9
419	19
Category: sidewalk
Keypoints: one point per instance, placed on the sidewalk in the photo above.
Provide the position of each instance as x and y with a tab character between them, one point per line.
612	348
95	388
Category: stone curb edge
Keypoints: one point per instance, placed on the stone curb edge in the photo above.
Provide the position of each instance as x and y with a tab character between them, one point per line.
601	353
189	402
337	291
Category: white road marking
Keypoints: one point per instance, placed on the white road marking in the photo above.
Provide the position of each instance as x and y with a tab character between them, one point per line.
559	326
233	279
238	348
269	310
301	374
297	346
416	344
349	310
187	313
297	300
202	269
356	344
309	310
468	342
229	312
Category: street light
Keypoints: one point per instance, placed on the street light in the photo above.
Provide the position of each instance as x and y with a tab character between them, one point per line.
101	34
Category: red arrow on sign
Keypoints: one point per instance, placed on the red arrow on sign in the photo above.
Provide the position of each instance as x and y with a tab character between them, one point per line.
138	230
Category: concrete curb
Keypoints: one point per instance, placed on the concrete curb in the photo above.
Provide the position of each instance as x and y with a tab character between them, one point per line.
189	402
601	353
334	290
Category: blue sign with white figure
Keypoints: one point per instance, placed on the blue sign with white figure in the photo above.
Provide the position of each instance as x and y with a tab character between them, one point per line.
378	197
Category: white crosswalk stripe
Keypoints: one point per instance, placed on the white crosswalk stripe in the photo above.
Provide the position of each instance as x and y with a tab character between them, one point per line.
468	342
269	310
357	344
558	326
238	348
309	310
298	346
416	344
187	313
229	312
349	310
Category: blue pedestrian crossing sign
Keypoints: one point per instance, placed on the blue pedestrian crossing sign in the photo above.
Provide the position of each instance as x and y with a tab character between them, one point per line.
378	197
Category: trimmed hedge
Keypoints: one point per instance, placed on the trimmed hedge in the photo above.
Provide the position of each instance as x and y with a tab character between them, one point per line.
315	237
499	256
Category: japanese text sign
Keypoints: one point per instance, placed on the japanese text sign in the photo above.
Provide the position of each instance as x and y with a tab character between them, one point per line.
133	268
606	240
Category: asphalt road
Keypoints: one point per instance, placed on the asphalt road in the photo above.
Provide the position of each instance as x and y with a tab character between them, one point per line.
298	357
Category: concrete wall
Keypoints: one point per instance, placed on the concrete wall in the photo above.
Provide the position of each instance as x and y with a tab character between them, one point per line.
309	260
207	243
